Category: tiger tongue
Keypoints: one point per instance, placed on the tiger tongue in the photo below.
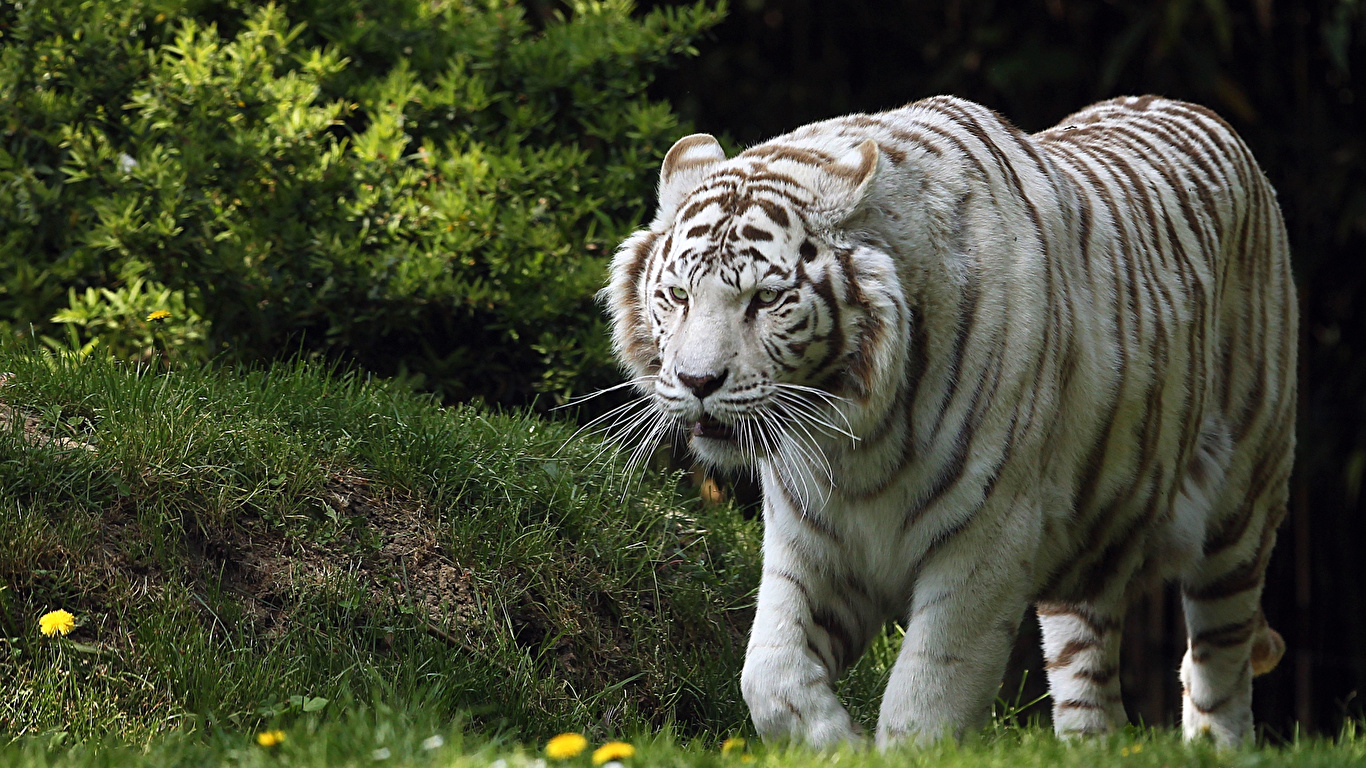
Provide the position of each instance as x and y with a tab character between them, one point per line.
709	427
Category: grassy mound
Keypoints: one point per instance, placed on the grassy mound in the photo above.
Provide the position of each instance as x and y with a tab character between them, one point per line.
240	548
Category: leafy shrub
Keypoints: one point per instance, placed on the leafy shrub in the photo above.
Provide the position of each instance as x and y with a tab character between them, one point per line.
137	321
429	189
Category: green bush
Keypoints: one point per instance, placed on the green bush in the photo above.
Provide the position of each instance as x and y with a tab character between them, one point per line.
429	188
139	321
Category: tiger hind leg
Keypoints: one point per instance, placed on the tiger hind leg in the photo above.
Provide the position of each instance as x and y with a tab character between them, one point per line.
1081	659
1228	640
1229	643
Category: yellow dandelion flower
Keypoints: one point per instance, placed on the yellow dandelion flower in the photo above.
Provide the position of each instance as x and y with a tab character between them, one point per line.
1124	752
565	746
733	744
747	758
1135	749
158	316
270	738
613	750
57	622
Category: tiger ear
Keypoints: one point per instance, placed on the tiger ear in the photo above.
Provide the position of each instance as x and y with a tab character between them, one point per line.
846	182
684	168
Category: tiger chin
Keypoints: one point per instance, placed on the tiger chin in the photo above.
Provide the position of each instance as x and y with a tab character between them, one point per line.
979	370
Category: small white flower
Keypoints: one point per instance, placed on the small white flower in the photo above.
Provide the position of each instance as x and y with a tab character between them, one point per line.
499	763
433	742
613	764
127	163
380	754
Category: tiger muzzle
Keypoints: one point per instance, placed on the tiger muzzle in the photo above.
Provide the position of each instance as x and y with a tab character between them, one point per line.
713	429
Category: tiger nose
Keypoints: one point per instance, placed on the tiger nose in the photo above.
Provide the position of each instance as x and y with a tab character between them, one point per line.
705	384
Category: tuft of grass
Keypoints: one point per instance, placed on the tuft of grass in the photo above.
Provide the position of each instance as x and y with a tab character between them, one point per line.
241	546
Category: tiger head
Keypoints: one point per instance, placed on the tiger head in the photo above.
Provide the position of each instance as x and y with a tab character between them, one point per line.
754	315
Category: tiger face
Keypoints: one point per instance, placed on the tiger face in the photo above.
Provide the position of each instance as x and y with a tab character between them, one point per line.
741	319
739	310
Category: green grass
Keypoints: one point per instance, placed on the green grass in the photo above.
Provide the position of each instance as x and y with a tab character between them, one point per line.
237	545
373	737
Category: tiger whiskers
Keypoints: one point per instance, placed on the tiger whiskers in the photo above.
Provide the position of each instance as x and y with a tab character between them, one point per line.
794	452
804	417
801	421
573	401
646	447
618	434
633	431
808	400
637	424
791	430
612	417
790	472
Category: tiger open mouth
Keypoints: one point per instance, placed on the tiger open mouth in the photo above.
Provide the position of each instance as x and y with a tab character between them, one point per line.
711	428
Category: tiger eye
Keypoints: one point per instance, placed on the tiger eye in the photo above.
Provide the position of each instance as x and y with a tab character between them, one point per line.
767	296
679	293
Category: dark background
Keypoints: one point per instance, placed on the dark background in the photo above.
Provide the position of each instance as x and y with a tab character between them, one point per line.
1289	77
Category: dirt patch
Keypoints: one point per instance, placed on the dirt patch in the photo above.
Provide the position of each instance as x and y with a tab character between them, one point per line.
392	548
33	431
379	539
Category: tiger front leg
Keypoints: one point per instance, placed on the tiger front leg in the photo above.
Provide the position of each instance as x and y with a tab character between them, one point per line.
961	626
803	637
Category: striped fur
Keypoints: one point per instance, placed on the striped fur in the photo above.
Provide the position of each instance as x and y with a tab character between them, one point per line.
978	369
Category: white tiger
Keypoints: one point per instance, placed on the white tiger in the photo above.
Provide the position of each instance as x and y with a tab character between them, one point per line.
977	369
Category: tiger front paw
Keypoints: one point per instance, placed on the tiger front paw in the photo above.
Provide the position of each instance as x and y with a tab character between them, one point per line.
787	707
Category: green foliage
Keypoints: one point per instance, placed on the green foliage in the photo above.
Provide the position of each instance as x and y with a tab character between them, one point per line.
428	188
136	321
